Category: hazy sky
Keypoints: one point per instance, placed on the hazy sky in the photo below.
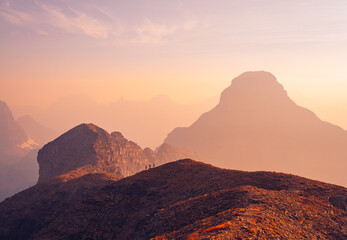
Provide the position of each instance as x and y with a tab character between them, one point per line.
188	50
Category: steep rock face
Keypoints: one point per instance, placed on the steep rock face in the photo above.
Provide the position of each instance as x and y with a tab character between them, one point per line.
89	148
185	200
256	126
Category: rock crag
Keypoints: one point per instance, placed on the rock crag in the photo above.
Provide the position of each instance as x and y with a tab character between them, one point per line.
90	149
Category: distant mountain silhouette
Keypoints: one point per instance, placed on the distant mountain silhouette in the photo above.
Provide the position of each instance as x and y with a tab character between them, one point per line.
179	200
145	122
36	131
18	167
89	149
256	126
13	139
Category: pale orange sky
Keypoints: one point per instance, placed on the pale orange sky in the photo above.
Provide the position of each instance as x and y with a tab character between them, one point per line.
187	50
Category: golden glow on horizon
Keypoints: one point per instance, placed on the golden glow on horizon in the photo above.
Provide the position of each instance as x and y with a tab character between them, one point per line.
187	50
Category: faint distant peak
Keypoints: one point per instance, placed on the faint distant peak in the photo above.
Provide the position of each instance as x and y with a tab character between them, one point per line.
27	119
12	135
4	107
254	86
75	100
6	116
161	98
255	76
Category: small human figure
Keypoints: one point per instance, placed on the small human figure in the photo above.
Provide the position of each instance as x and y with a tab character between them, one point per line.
149	166
153	165
146	167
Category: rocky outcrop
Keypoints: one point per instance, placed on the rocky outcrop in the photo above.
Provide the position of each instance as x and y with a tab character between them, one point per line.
90	149
179	200
256	126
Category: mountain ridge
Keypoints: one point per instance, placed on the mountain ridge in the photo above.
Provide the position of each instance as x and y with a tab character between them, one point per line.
181	200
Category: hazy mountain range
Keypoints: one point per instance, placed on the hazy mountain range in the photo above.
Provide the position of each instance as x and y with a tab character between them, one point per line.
98	185
18	165
41	134
145	122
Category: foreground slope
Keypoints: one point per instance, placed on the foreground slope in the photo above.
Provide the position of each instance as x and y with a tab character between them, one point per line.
256	126
189	200
35	208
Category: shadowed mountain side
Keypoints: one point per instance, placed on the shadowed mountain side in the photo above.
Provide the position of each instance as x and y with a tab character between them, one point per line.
145	122
256	126
18	166
12	135
35	208
186	200
90	149
36	131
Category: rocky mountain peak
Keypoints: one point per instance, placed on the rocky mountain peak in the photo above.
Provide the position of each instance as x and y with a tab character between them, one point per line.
117	136
89	149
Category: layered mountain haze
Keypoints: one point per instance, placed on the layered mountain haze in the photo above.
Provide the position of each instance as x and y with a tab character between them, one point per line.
17	174
18	166
179	200
14	141
90	149
36	131
145	122
133	120
256	126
